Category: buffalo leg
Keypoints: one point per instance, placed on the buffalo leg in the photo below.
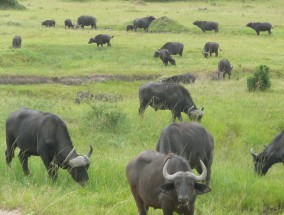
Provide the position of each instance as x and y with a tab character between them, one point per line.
9	153
142	108
216	54
142	210
257	32
52	169
24	161
269	31
176	114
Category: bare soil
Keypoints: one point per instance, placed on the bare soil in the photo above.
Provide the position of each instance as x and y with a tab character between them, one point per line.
9	212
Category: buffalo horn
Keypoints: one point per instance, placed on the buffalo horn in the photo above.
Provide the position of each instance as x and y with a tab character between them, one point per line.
69	155
81	160
200	177
253	153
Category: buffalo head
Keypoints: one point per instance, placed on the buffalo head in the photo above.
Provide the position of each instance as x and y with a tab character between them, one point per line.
259	163
249	24
156	53
205	53
195	114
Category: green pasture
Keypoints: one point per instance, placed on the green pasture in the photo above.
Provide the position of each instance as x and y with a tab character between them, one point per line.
237	119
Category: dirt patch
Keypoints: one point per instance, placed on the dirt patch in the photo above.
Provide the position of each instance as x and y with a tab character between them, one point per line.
9	212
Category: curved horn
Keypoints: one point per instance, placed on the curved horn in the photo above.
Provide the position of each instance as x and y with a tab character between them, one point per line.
200	177
252	152
79	161
90	152
68	156
167	176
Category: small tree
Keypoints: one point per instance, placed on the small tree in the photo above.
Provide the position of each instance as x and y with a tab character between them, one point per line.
260	79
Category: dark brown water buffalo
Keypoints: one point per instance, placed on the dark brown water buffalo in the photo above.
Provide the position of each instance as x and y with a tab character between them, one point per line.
101	39
143	22
191	141
173	47
207	26
68	23
164	181
48	23
17	42
260	26
166	57
165	96
225	67
273	153
87	21
185	78
44	134
209	48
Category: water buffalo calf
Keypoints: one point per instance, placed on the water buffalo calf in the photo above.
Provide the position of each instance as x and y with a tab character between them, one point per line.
48	23
101	39
260	26
17	42
86	21
166	57
207	26
225	67
69	23
209	48
143	22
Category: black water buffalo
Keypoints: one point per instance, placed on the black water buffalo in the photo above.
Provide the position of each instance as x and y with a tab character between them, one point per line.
225	67
17	42
166	57
69	23
45	135
101	39
129	28
209	48
143	22
173	47
191	141
164	96
87	21
48	23
185	78
207	26
273	153
260	26
164	181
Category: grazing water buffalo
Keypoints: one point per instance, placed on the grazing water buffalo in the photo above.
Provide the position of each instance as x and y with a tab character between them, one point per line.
260	26
48	23
101	39
164	96
209	48
129	28
87	21
173	47
225	67
69	23
207	26
185	78
167	182
191	141
143	22
166	57
17	42
273	153
45	135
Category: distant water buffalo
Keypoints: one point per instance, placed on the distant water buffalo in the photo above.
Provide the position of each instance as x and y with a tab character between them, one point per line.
273	153
185	78
101	39
191	141
129	28
225	67
207	26
173	47
166	57
164	96
209	48
87	21
143	22
49	23
17	42
260	26
69	23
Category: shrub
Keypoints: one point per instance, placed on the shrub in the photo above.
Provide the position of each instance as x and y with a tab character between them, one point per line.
260	79
5	4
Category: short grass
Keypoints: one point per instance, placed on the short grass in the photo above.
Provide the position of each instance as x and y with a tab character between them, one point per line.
236	118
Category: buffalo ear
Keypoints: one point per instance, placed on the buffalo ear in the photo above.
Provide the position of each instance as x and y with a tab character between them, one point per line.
166	188
201	188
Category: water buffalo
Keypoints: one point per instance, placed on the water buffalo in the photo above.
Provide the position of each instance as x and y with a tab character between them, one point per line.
209	48
173	47
143	22
260	26
185	78
44	134
129	28
101	39
207	26
273	153
87	21
225	67
17	42
191	141
164	96
164	181
166	57
69	23
48	23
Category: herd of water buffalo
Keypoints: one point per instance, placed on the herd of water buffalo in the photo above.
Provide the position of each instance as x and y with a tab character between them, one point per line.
162	178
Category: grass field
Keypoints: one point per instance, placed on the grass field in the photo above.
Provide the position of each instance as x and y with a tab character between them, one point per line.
237	119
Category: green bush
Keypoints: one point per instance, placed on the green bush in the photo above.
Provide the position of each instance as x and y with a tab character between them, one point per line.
260	79
5	4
